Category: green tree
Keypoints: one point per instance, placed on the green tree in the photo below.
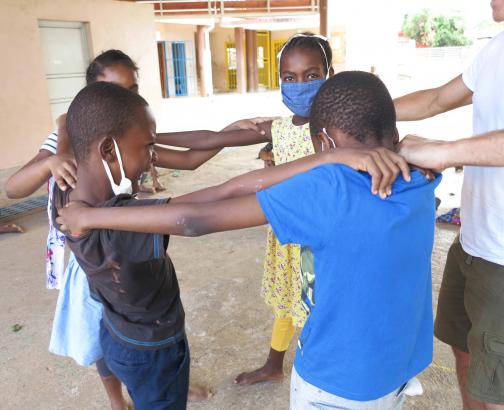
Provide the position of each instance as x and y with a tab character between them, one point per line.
449	31
435	31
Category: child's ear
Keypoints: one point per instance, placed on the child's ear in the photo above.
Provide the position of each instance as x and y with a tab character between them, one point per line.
331	71
107	149
323	140
396	136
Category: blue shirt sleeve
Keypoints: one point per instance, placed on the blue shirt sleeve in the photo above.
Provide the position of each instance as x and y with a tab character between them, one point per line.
303	209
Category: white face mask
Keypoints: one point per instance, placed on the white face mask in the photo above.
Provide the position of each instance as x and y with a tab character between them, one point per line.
125	186
327	135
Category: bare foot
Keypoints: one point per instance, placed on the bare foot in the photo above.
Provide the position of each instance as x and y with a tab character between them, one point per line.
146	189
11	228
263	374
158	186
270	372
199	393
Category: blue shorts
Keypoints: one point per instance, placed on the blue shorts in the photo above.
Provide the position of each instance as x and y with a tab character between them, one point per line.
155	379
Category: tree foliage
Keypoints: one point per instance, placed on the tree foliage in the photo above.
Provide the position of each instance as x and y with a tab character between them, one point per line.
435	31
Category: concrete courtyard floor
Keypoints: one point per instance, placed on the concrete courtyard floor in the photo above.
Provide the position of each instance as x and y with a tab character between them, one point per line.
227	322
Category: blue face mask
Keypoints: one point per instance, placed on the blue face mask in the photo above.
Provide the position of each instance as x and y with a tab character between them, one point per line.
298	97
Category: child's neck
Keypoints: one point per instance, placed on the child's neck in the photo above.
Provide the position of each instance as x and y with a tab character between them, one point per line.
92	186
297	120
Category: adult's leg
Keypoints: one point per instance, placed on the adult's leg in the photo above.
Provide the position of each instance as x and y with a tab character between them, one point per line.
452	322
462	361
485	304
272	370
469	319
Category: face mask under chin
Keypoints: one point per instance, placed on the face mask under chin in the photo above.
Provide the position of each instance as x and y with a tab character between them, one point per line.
125	186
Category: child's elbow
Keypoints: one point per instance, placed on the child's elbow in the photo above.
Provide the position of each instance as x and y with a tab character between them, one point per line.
11	192
192	227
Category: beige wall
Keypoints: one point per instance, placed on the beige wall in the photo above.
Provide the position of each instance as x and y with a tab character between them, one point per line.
175	32
218	37
25	116
285	34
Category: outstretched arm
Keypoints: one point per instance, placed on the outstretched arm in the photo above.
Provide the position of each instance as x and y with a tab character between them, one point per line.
428	103
383	165
483	150
188	159
194	219
207	140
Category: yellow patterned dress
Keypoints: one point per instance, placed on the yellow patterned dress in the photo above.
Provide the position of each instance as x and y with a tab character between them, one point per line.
281	285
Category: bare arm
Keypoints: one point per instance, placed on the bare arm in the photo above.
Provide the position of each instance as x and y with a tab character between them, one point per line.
188	159
383	165
483	150
173	219
207	140
38	170
428	103
30	177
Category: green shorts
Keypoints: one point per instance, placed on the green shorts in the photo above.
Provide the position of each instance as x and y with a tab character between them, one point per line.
470	317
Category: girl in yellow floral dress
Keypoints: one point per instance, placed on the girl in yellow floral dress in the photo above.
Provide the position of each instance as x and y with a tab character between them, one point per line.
305	63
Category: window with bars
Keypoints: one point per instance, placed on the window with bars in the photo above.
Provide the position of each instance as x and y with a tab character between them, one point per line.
231	66
178	70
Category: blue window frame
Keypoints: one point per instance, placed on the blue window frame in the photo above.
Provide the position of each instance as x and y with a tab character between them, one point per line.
179	68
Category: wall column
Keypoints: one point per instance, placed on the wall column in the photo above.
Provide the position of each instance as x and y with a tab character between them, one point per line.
251	46
323	18
204	60
241	73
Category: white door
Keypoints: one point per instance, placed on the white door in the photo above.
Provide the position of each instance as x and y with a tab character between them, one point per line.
66	57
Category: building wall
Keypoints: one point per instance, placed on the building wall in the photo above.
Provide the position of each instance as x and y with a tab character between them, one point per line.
186	33
25	115
218	37
175	32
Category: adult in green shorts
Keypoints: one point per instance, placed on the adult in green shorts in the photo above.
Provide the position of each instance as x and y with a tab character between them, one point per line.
470	315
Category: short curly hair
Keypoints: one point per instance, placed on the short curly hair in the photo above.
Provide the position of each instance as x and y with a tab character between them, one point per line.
357	103
101	109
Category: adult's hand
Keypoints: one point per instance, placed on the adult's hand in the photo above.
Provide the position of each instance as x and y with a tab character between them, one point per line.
424	153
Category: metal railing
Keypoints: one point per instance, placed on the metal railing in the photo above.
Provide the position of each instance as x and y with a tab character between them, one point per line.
223	7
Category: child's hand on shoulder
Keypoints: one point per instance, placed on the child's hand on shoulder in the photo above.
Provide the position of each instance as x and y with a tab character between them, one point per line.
64	170
383	165
71	219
